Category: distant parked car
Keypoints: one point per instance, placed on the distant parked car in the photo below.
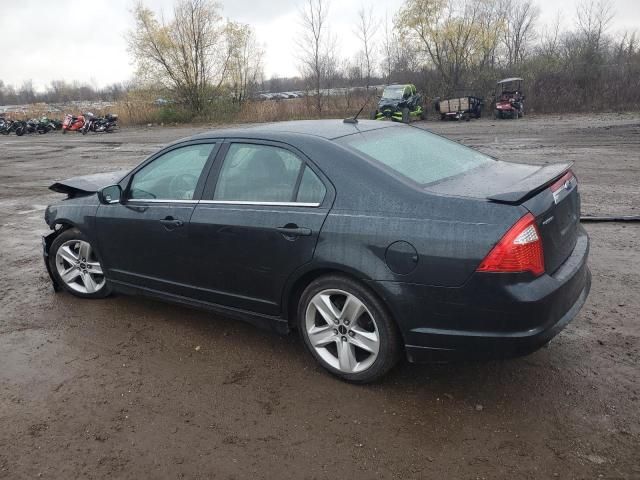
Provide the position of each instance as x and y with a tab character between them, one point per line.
375	240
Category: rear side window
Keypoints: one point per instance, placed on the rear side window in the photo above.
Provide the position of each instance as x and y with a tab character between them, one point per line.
415	154
312	190
258	173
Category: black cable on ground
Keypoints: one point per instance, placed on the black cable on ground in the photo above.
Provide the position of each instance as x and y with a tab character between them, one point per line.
620	218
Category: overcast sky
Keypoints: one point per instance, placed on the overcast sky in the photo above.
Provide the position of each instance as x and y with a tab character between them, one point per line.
44	40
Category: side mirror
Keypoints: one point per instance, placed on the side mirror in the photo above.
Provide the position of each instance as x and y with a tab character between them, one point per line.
110	194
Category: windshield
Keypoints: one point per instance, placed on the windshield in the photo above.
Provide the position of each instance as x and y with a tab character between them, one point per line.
415	154
393	93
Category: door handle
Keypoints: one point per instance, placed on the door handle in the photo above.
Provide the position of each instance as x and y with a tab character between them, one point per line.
170	223
292	230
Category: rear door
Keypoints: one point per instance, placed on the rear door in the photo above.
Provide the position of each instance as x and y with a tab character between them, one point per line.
144	240
258	221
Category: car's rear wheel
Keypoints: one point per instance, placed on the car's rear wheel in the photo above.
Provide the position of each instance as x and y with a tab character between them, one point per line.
76	265
347	329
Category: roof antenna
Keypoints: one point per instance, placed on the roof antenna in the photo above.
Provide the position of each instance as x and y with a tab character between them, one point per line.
354	119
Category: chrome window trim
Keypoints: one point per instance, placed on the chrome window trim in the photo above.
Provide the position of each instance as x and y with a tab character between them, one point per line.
268	204
158	200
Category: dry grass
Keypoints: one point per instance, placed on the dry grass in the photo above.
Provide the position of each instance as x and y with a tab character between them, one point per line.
142	112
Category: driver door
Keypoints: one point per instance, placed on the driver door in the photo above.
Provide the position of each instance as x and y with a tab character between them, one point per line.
143	240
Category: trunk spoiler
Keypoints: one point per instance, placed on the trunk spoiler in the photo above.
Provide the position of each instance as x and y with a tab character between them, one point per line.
532	184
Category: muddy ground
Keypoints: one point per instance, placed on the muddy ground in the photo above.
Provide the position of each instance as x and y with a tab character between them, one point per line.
117	388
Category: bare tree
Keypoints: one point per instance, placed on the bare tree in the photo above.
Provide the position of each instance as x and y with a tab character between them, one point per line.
549	44
593	17
458	36
519	31
245	66
187	54
366	31
313	45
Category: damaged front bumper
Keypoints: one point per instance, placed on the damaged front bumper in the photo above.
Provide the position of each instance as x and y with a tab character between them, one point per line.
47	240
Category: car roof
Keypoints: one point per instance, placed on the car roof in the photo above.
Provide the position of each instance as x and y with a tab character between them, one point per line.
328	129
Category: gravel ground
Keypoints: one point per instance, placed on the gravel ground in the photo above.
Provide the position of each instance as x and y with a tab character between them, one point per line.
132	388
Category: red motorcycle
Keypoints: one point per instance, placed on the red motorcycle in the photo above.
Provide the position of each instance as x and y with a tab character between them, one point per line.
73	123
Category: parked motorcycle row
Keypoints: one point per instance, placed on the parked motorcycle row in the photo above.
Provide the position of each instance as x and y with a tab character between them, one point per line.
82	124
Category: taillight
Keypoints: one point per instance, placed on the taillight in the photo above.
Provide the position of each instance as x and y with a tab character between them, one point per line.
519	250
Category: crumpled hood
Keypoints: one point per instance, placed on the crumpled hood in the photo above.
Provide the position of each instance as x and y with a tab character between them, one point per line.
87	183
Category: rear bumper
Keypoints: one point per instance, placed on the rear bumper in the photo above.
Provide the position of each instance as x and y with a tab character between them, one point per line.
492	315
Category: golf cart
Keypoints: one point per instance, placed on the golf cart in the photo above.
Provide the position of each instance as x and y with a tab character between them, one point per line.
400	103
509	98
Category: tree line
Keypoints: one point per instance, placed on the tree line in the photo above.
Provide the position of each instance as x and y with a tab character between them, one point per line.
198	59
60	91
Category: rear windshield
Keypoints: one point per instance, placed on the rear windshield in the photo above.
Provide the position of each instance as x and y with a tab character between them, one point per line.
415	154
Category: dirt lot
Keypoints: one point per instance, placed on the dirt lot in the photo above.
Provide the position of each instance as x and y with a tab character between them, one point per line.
115	388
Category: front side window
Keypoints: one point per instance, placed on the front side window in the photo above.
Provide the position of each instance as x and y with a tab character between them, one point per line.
172	176
258	173
415	154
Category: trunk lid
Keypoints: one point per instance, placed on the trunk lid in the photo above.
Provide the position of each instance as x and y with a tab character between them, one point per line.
549	192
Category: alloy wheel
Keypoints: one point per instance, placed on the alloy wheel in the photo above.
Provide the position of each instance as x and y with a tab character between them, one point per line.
78	267
342	331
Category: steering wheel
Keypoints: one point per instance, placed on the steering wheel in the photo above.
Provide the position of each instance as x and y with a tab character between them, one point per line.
182	186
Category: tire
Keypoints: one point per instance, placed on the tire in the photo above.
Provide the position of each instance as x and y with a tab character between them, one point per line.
69	253
64	131
20	131
336	344
496	115
405	115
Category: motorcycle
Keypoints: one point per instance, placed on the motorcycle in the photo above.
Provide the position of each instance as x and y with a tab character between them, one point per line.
5	125
47	125
95	124
73	124
106	124
37	126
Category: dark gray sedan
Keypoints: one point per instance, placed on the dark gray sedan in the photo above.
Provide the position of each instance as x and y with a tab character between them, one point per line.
374	240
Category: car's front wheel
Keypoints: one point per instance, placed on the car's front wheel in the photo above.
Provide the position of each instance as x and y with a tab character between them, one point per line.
76	265
347	329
